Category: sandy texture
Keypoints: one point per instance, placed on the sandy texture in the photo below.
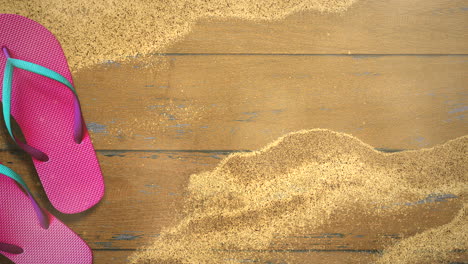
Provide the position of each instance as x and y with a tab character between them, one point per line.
297	182
431	246
94	31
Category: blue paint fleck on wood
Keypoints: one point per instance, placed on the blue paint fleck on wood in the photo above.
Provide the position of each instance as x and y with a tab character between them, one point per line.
459	109
107	245
126	237
96	127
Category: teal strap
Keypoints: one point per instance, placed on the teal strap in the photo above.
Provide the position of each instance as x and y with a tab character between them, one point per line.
10	173
8	78
41	215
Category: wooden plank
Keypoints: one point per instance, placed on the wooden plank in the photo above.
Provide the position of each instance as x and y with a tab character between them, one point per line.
340	257
336	257
112	257
368	27
244	102
145	192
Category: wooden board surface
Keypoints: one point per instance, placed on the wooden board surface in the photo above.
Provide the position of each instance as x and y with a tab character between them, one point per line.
235	85
357	257
121	256
244	102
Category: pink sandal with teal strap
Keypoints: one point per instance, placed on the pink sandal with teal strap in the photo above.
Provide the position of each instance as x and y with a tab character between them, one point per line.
29	234
37	90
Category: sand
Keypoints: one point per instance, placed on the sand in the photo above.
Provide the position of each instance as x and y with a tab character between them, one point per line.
431	246
96	31
297	182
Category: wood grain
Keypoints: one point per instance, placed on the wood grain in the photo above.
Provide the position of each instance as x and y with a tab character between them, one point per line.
244	102
368	27
340	257
112	257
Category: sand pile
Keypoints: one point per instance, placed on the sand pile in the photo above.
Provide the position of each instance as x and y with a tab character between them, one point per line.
297	182
94	31
432	246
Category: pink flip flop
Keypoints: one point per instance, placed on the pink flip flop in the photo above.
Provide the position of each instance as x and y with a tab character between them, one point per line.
30	235
38	92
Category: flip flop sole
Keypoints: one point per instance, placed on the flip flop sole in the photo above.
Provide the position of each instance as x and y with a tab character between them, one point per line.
19	226
43	108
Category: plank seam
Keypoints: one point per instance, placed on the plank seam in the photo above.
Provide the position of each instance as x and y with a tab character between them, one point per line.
311	54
